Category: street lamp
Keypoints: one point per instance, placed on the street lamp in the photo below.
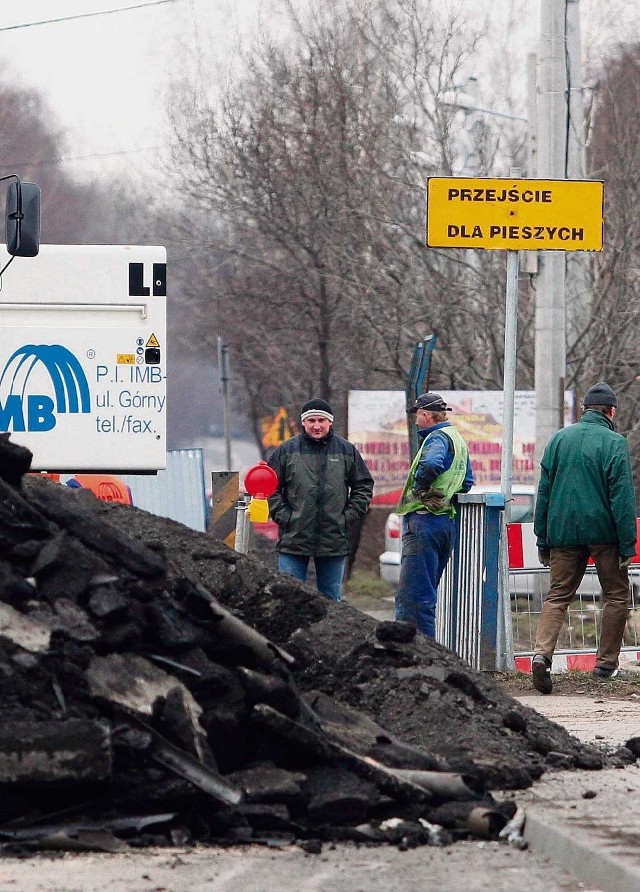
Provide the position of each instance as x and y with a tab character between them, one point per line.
465	99
461	101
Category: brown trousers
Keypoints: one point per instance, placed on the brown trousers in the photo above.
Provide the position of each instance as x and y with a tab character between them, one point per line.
568	566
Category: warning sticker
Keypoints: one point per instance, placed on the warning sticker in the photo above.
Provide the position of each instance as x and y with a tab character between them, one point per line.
126	358
153	341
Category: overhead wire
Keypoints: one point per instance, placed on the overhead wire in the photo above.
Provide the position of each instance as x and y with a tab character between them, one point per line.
47	162
68	18
86	15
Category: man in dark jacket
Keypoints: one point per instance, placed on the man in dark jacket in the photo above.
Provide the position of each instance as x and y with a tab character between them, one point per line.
585	507
323	487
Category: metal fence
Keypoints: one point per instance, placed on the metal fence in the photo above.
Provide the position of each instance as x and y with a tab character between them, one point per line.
488	613
581	631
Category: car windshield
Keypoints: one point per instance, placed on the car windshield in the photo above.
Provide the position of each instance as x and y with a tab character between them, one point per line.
522	509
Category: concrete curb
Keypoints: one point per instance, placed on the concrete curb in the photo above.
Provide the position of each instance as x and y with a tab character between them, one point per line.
583	853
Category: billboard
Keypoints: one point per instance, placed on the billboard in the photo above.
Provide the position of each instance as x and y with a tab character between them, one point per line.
378	428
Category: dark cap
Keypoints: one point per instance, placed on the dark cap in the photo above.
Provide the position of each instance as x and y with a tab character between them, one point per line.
431	401
600	395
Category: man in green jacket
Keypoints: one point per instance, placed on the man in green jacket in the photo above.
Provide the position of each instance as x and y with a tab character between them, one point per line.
585	507
324	486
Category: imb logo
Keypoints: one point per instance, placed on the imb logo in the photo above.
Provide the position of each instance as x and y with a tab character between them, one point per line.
39	382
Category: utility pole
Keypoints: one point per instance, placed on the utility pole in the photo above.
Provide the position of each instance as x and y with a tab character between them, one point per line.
550	322
509	378
578	263
223	371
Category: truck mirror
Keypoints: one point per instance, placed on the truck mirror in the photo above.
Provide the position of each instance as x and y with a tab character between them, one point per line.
22	219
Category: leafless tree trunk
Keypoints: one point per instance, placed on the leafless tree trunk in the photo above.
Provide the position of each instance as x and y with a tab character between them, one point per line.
610	345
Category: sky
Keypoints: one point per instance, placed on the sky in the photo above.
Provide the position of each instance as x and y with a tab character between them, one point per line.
105	76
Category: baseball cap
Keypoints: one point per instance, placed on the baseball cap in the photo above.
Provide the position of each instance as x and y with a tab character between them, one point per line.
431	401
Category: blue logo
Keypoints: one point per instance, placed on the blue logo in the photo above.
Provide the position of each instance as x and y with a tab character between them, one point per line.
68	388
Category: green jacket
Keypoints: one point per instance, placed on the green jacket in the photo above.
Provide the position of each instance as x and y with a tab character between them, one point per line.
323	486
585	495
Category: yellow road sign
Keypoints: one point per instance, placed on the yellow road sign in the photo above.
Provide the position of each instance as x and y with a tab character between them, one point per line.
514	214
275	429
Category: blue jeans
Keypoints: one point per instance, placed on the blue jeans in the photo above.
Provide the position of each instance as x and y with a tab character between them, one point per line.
329	571
427	542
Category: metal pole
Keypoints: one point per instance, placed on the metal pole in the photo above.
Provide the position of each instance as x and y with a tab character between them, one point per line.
550	323
223	368
504	643
243	525
579	285
509	377
241	510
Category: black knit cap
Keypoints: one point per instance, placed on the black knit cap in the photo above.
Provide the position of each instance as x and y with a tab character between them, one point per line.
600	395
317	407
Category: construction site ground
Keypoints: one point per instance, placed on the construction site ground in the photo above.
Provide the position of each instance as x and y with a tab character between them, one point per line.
579	832
580	829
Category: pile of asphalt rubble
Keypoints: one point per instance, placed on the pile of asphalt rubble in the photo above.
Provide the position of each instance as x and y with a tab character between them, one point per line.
159	688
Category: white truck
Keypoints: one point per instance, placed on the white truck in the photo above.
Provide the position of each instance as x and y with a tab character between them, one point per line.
83	351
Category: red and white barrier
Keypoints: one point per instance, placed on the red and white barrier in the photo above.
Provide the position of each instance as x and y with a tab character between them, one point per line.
581	662
523	551
521	547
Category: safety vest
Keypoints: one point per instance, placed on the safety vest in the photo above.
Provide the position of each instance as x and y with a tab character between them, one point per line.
448	483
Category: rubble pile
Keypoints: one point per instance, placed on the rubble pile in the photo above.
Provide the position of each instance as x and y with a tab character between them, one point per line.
159	688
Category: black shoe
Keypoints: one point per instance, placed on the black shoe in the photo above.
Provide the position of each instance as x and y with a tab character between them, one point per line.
602	674
541	672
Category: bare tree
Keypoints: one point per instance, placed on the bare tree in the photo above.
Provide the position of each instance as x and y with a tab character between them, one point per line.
306	181
609	349
73	211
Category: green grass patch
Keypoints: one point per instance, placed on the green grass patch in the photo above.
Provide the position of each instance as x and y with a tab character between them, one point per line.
367	590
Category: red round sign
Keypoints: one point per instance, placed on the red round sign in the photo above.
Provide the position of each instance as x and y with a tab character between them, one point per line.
261	481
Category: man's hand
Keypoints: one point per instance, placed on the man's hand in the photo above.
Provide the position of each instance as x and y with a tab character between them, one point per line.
431	498
623	562
544	556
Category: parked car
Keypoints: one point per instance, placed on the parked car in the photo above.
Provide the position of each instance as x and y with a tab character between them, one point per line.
521	512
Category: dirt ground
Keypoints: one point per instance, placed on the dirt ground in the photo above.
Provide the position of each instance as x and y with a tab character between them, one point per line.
602	721
416	689
575	684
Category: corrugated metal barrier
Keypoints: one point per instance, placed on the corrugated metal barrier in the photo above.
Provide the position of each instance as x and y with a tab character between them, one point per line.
178	492
471	618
